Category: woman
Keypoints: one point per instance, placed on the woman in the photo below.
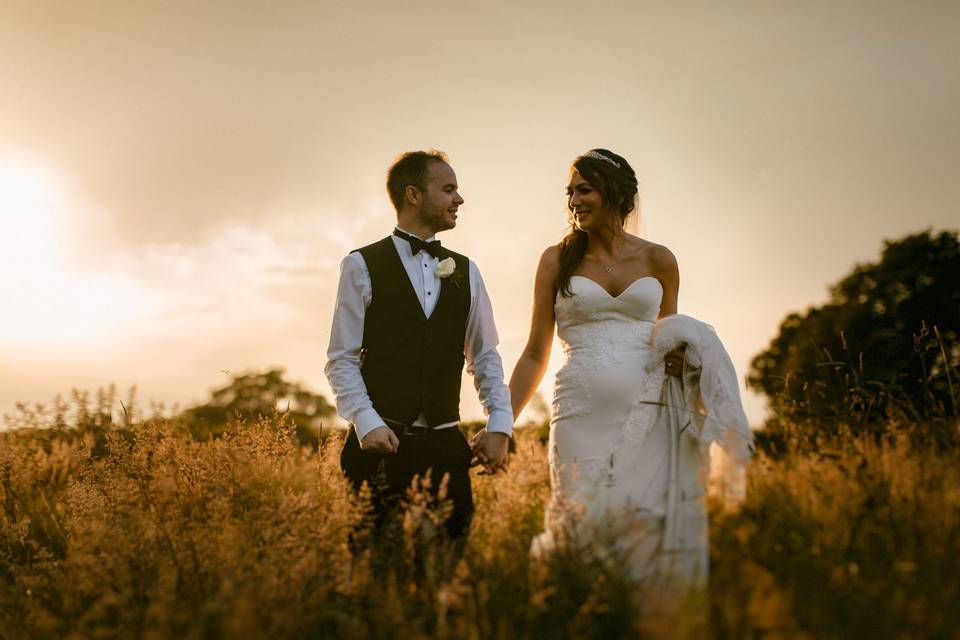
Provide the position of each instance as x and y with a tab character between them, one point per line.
615	467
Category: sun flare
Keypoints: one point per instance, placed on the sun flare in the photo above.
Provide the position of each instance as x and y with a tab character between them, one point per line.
31	205
45	301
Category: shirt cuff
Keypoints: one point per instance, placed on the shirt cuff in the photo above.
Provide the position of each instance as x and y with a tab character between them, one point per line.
500	421
366	421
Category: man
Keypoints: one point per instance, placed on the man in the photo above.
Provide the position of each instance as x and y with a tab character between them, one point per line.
409	314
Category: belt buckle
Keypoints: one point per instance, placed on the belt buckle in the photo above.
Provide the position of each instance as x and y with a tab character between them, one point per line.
414	430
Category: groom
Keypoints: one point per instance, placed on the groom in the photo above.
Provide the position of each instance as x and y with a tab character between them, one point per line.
409	313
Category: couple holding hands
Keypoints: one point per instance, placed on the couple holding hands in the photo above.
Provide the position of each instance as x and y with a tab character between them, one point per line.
641	395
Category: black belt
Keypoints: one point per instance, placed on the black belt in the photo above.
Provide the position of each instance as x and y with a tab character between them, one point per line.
409	429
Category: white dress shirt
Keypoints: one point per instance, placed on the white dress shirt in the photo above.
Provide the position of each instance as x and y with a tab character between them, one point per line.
354	295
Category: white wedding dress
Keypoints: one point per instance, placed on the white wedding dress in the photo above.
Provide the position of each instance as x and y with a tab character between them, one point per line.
628	467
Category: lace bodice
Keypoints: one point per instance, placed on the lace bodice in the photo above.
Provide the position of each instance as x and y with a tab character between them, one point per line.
599	325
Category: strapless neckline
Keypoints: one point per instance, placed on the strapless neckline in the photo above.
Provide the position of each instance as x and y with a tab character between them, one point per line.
619	295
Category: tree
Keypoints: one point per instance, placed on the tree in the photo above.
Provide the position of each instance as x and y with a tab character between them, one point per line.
887	341
250	396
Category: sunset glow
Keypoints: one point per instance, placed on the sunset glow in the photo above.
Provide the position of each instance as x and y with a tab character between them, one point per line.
31	205
46	302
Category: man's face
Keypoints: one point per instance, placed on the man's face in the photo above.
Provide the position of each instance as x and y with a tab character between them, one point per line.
441	200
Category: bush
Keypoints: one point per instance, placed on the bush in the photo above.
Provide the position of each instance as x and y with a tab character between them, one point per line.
848	363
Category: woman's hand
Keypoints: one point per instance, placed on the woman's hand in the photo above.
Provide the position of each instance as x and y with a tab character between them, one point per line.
674	362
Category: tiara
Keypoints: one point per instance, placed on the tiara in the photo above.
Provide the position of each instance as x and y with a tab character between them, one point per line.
600	156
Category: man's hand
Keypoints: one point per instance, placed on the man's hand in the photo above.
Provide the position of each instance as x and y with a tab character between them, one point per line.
491	450
380	440
674	362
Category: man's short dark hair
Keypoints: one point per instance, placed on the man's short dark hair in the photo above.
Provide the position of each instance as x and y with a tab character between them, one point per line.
411	169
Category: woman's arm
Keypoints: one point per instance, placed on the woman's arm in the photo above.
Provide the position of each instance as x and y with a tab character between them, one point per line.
665	264
532	364
667	271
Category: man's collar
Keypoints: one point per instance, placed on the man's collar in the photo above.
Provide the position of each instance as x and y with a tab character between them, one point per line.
410	233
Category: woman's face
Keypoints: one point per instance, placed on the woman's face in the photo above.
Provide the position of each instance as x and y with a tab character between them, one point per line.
585	203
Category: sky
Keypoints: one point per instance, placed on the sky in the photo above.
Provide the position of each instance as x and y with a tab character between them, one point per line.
179	181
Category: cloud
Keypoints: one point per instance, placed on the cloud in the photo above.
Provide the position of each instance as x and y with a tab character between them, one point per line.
82	305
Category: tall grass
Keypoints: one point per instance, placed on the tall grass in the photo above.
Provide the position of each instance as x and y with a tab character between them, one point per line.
140	530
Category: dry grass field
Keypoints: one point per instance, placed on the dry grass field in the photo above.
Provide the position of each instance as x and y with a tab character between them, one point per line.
142	530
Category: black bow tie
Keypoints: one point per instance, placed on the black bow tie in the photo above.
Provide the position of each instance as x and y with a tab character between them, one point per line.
417	245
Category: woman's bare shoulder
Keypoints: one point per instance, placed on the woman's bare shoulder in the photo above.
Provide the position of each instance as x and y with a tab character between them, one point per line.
550	259
662	256
549	269
658	255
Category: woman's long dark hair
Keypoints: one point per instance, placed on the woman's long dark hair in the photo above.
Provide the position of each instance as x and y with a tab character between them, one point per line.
614	178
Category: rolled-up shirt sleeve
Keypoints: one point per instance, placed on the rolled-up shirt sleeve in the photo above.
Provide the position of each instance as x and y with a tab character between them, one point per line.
346	340
483	360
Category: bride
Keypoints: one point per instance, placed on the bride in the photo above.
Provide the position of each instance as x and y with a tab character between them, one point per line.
627	475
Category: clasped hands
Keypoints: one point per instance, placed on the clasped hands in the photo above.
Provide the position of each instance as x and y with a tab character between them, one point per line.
488	448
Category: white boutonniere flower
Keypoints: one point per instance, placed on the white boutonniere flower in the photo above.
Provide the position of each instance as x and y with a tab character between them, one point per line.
445	268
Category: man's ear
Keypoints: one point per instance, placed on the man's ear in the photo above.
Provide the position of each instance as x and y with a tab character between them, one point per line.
412	194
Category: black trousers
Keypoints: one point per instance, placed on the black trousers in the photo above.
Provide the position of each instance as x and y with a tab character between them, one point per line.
433	455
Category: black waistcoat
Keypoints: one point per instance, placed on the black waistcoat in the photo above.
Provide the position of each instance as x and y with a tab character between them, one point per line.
411	363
